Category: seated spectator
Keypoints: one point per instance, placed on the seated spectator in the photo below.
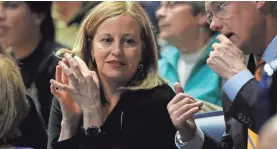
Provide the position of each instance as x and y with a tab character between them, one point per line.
109	95
183	25
19	121
27	30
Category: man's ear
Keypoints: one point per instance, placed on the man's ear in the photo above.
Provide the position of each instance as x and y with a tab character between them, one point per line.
262	6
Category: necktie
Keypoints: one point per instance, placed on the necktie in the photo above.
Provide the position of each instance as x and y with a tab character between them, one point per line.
252	136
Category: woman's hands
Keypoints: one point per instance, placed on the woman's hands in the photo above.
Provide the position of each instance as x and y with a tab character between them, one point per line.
77	91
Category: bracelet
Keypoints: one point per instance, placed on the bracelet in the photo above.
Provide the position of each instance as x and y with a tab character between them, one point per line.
178	139
92	131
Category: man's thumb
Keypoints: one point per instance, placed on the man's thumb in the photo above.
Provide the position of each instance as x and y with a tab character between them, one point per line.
178	88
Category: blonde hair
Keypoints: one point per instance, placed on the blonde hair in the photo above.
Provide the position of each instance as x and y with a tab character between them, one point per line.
13	102
149	58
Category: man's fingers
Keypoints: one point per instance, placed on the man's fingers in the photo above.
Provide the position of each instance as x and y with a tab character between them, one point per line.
222	38
215	45
183	102
187	115
187	107
178	98
178	88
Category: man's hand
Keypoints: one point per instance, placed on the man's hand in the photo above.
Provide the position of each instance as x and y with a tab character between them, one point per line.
226	59
181	110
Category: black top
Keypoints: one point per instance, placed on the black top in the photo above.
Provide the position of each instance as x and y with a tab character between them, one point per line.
33	131
139	120
37	69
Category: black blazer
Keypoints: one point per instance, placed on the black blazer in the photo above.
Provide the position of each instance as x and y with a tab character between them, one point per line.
33	130
139	121
246	111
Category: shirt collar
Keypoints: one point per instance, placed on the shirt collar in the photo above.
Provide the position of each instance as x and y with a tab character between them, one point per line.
271	51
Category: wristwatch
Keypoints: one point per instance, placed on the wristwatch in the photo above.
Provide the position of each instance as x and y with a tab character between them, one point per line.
178	139
92	131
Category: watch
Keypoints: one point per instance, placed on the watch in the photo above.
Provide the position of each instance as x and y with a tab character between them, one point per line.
178	139
92	131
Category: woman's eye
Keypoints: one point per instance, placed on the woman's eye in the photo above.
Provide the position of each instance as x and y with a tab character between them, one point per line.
129	41
107	40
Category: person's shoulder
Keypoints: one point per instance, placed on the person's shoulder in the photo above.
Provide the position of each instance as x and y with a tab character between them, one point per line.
159	94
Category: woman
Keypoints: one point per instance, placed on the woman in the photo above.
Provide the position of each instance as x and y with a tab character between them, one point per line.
19	121
183	25
27	30
114	98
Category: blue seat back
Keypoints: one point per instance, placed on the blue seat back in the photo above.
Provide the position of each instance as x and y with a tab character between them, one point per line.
211	123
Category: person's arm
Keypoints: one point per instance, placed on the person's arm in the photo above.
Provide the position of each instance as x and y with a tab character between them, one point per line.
199	141
247	100
61	134
195	143
234	85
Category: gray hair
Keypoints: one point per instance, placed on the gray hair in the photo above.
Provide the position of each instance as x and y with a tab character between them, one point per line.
197	7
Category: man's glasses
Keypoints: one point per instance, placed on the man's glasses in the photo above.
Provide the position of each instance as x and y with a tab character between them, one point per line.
218	10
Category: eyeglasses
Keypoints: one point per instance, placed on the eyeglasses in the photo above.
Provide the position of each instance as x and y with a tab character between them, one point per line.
219	11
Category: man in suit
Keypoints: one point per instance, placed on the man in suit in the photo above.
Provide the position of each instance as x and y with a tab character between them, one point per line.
248	96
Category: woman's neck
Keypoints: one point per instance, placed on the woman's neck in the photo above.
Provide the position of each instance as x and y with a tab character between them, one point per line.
26	47
111	92
190	43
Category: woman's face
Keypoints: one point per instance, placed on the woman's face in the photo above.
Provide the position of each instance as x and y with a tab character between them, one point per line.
17	23
175	19
117	48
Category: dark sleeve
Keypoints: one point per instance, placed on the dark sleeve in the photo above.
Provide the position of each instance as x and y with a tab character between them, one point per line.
33	130
151	126
248	104
55	129
225	143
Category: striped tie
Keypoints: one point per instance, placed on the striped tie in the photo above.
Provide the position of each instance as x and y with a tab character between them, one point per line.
252	136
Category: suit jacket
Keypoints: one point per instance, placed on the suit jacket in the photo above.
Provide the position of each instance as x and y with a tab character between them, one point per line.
250	109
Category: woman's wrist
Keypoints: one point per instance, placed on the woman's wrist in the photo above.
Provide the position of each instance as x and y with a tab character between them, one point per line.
92	117
68	129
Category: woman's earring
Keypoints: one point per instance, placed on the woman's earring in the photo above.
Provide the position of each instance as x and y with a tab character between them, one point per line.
140	73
